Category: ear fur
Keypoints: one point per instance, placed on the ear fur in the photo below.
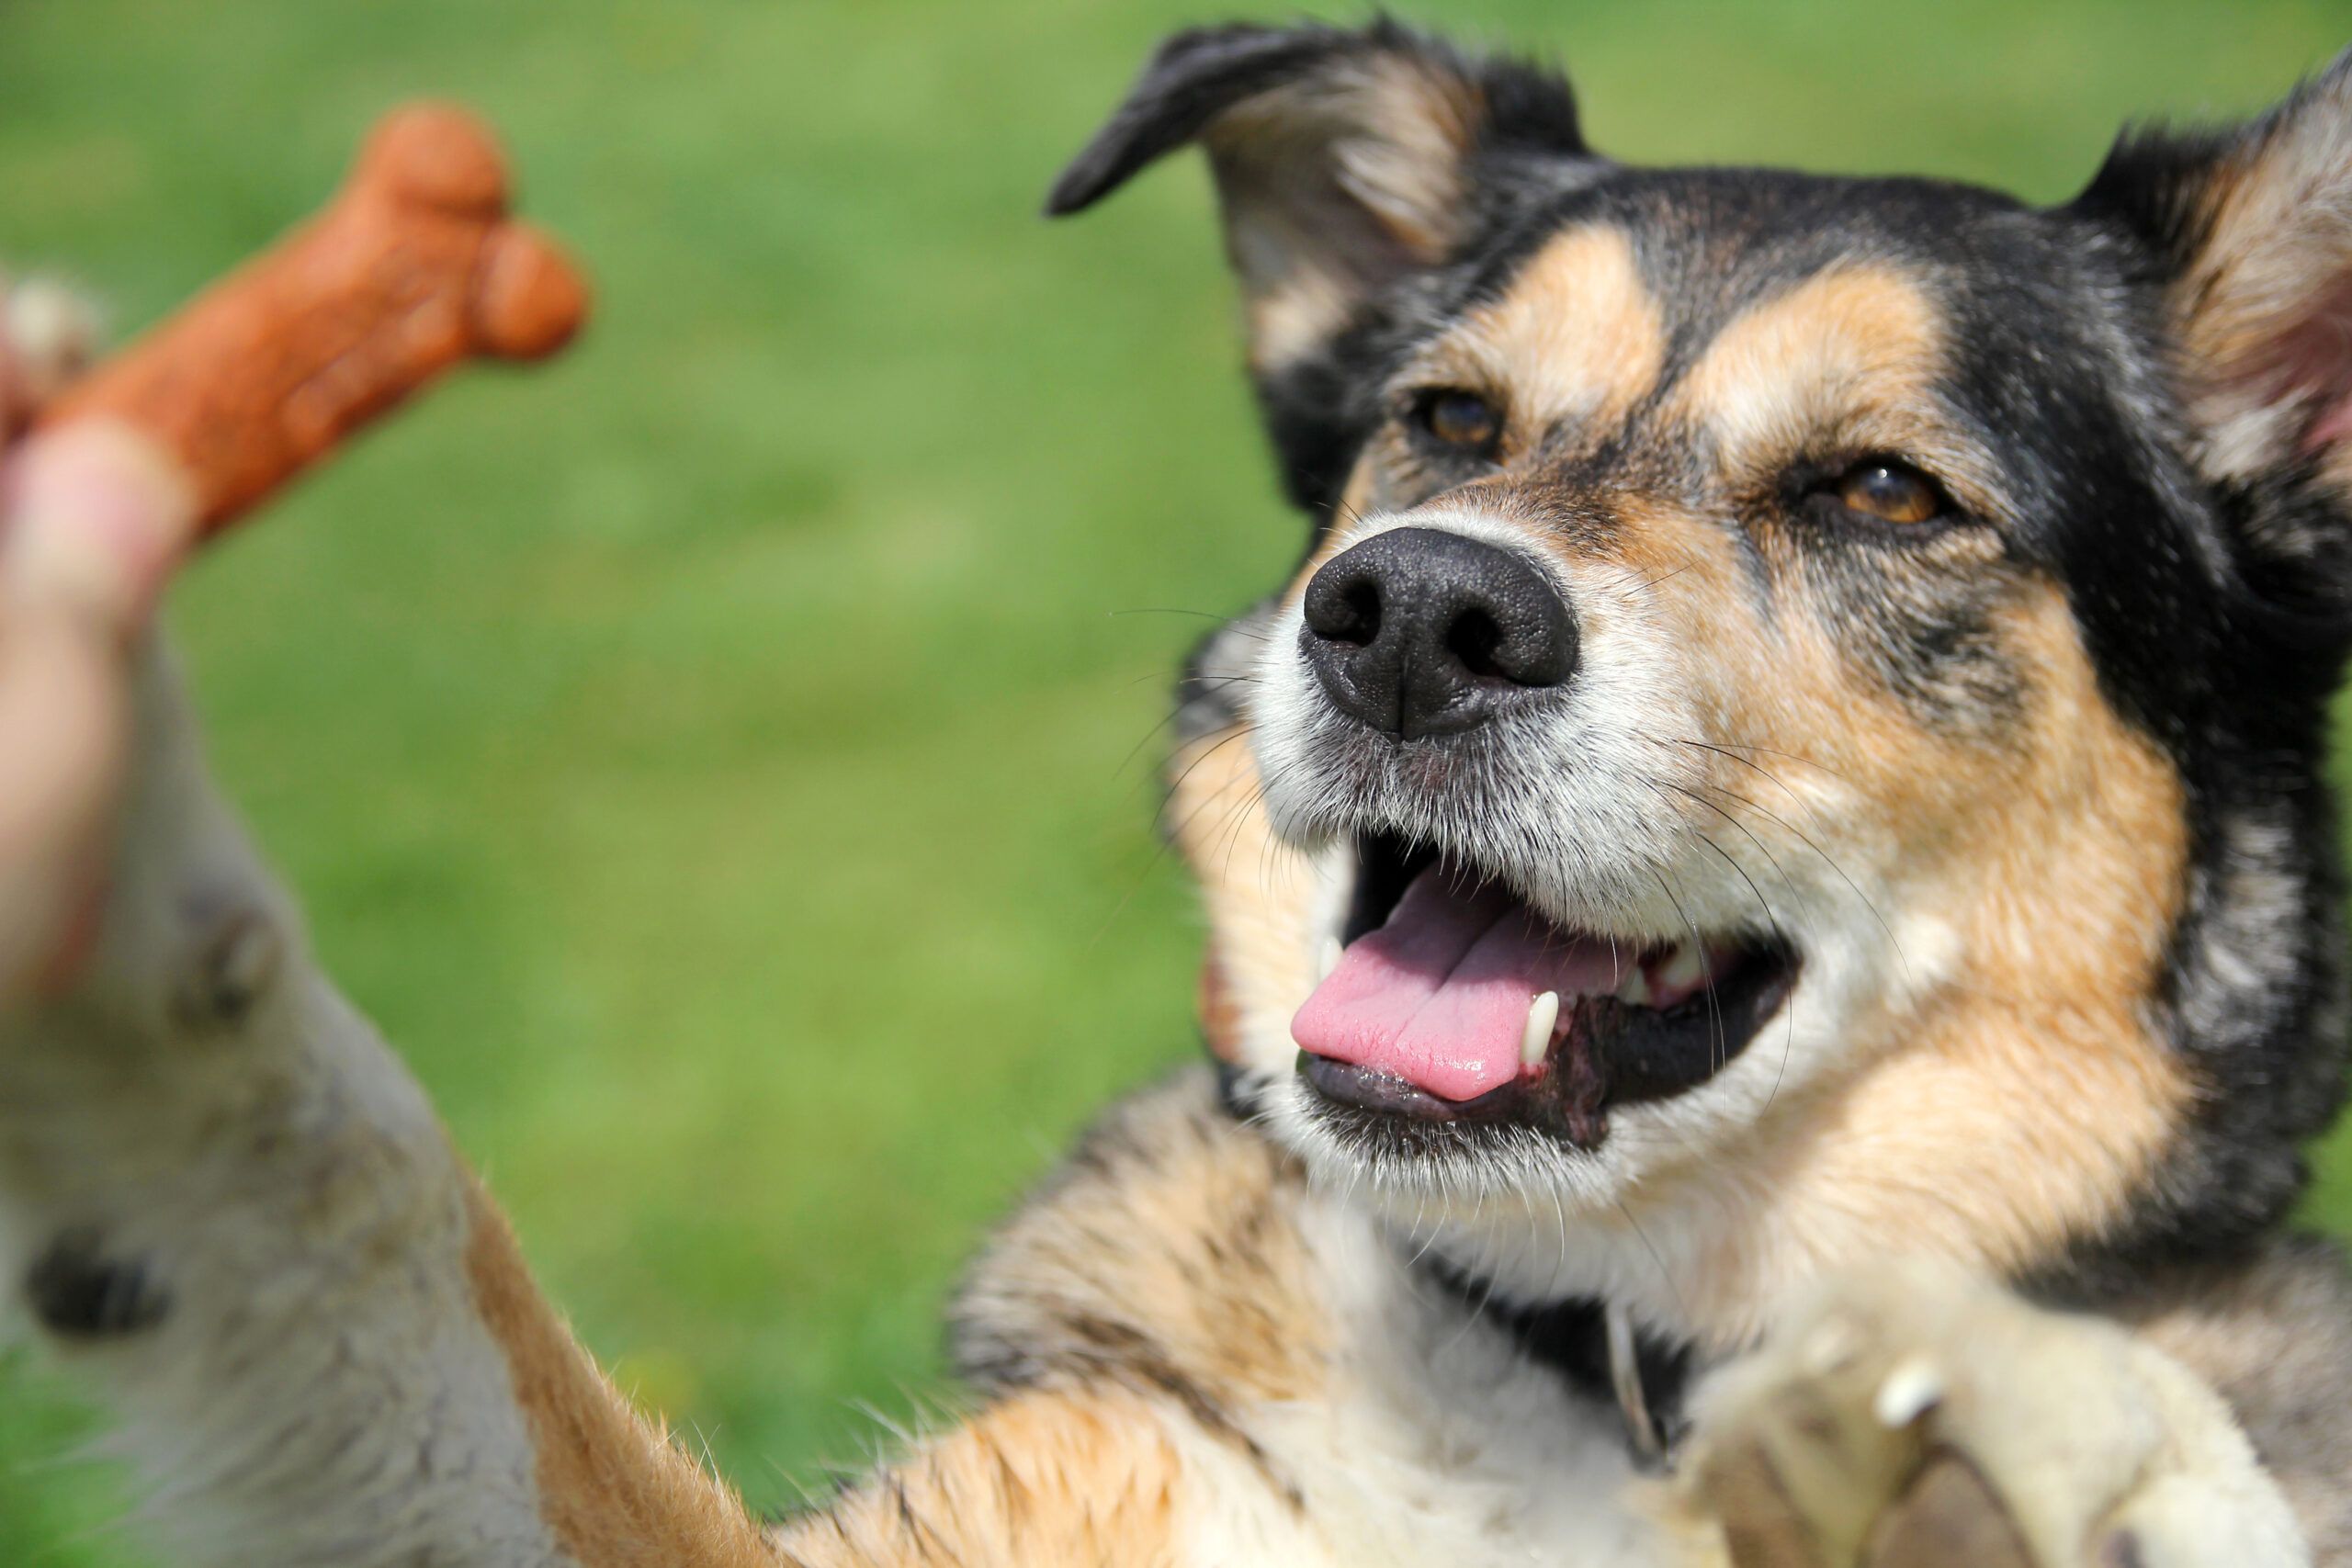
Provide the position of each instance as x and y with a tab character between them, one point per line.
2252	229
1345	161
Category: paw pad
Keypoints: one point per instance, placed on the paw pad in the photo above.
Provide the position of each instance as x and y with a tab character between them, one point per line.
78	1293
237	955
1951	1517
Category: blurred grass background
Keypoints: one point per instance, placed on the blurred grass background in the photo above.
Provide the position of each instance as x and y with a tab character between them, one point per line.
704	756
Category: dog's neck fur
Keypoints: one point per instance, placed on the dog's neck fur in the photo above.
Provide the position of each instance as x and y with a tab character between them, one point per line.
1591	1345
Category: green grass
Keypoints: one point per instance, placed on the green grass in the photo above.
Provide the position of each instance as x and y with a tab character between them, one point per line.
704	757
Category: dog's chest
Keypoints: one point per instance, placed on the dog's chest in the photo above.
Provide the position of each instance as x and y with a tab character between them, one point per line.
1329	1401
1437	1440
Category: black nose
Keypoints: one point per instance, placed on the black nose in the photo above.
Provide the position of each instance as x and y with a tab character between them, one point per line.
1420	631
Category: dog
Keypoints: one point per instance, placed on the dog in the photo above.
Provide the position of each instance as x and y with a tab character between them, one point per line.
1775	934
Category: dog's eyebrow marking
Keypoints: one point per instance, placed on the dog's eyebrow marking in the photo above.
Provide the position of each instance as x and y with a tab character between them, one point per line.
1850	354
1578	337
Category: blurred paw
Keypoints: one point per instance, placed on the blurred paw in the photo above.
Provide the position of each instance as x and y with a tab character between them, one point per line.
1915	1418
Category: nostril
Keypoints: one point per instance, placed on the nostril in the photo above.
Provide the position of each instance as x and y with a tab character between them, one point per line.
1347	613
1474	638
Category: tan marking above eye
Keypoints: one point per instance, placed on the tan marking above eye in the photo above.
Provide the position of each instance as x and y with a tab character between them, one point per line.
1890	492
1575	337
1847	361
1461	419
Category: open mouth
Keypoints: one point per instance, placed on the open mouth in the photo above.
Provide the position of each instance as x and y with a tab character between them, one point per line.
1450	1000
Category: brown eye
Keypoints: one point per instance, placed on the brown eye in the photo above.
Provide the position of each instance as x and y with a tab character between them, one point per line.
1461	419
1890	492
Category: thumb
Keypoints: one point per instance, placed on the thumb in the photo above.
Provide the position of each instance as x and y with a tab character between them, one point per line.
92	519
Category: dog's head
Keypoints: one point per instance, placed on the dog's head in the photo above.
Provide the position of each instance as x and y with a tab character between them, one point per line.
1799	729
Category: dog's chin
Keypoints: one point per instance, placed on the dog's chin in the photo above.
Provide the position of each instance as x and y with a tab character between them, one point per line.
1622	1021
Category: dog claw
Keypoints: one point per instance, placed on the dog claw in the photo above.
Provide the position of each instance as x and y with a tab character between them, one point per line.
1915	1387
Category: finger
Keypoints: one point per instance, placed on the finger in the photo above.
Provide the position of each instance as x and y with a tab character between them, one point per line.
96	518
61	742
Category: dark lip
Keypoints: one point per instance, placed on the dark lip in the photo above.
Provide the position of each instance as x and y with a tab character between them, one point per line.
1612	1054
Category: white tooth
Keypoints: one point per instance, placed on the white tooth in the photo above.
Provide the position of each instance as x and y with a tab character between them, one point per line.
1634	986
1328	959
1536	1038
1684	968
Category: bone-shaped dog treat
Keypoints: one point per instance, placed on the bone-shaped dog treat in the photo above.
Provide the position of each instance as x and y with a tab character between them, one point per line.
412	268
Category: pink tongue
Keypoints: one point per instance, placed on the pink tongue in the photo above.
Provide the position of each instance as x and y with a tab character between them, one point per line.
1438	996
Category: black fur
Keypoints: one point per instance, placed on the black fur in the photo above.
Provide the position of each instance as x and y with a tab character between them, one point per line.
1571	1338
1199	75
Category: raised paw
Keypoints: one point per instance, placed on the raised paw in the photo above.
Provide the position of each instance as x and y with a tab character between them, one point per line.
1916	1417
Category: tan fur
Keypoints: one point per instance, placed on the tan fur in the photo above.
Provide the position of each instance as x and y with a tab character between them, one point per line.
1845	360
615	1494
2026	1099
1258	891
1292	320
1576	340
1167	1252
1043	1481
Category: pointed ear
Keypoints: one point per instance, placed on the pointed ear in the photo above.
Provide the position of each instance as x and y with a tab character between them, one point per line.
1344	159
2253	230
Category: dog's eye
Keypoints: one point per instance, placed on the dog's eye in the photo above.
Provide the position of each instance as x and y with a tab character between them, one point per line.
1460	419
1889	491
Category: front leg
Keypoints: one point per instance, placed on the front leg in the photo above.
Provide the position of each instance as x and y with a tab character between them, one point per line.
1915	1417
225	1202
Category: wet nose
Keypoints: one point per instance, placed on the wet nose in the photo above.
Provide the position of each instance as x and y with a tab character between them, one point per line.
1422	631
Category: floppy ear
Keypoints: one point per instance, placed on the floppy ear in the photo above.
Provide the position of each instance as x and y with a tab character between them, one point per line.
1345	161
2253	229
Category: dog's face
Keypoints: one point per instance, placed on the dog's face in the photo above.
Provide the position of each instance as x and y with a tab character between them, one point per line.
1798	729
